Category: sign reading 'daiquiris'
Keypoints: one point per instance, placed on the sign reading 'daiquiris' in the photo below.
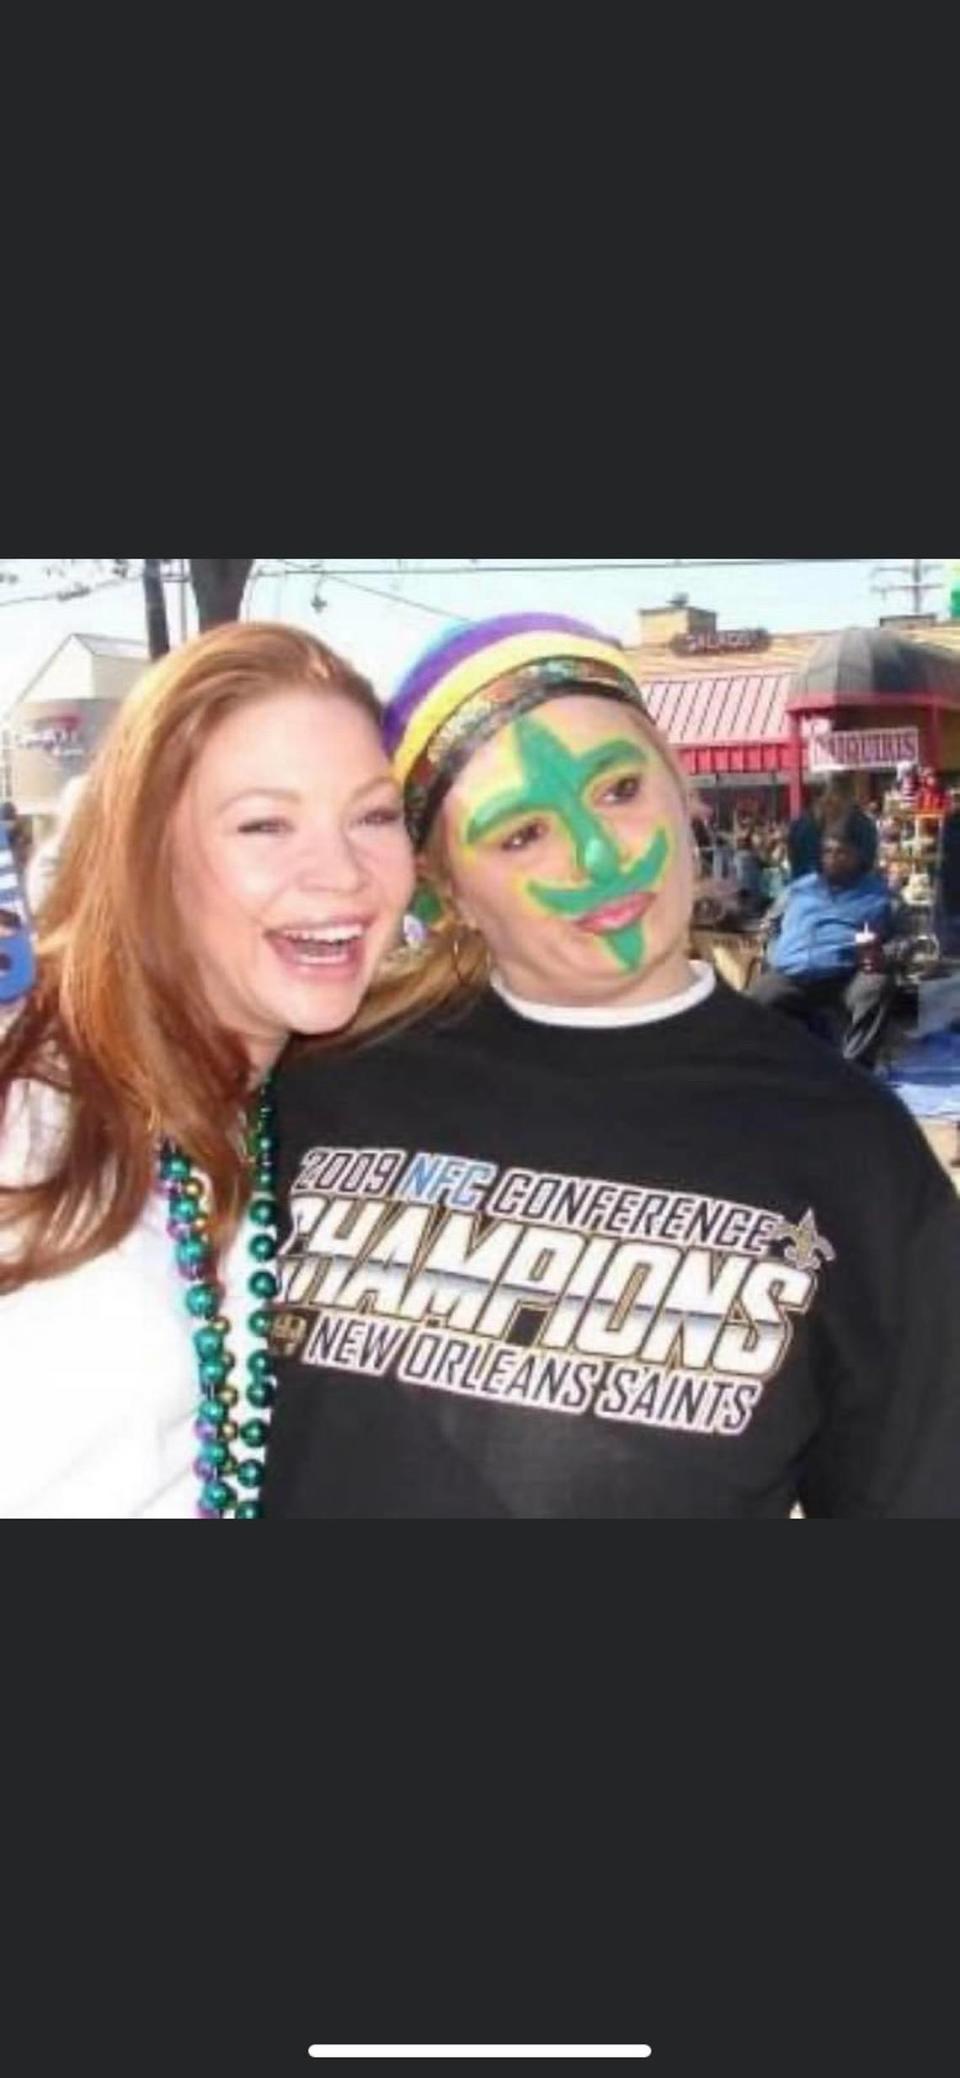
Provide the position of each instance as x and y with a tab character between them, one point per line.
863	750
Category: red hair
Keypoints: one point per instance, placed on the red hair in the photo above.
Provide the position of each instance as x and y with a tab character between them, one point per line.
118	1019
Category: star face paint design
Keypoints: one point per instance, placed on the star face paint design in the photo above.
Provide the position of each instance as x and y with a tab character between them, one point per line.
556	781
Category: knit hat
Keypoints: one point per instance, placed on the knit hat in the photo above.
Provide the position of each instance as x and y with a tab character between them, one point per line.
478	678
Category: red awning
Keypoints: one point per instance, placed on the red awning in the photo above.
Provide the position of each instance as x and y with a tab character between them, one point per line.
739	760
734	724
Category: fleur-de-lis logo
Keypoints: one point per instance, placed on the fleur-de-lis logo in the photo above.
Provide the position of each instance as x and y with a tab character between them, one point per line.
806	1247
287	1333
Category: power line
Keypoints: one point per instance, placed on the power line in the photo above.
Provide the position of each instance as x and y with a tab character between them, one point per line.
358	580
359	576
66	595
558	568
353	584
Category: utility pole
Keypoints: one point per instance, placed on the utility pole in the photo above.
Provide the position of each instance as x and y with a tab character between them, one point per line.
158	632
918	573
917	576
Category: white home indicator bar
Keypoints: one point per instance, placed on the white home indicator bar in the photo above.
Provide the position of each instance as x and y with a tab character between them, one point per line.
642	2051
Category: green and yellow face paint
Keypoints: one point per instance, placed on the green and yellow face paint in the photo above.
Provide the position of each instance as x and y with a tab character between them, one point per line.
612	893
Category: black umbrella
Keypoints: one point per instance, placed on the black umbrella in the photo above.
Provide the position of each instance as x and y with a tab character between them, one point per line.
865	661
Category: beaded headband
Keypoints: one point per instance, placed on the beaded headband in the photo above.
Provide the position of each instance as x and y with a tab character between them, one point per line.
482	717
476	680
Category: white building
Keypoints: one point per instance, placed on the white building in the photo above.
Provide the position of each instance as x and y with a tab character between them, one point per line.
54	723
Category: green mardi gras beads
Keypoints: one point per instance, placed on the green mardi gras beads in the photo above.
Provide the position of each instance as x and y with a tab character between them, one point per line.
228	1487
264	1285
263	1247
193	1250
214	1371
262	1392
208	1342
216	1458
254	1434
213	1411
203	1301
216	1494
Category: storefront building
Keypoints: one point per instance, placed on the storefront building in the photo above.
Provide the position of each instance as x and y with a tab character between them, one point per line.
872	699
759	720
56	720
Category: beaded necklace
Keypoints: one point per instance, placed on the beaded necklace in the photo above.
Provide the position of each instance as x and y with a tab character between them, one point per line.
228	1415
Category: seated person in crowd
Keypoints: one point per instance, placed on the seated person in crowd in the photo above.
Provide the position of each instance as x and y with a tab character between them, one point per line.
748	875
932	798
805	839
835	801
703	838
822	960
16	949
16	832
776	876
947	914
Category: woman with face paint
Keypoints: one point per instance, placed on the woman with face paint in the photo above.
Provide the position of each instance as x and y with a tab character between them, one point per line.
589	1234
235	871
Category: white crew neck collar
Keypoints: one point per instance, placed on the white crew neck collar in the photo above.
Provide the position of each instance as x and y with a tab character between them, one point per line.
613	1020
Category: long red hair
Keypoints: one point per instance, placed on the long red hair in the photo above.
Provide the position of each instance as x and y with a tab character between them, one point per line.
118	1020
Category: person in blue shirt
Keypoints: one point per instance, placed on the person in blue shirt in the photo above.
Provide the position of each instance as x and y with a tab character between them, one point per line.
835	944
15	934
15	927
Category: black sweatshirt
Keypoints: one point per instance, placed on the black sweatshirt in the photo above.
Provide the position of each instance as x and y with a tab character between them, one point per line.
690	1269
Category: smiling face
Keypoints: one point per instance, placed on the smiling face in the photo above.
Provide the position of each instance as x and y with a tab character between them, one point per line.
567	845
292	866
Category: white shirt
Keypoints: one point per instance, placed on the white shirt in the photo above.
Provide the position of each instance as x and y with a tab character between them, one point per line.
98	1374
700	989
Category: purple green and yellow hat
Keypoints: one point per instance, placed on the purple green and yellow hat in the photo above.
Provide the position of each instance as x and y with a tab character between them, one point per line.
478	678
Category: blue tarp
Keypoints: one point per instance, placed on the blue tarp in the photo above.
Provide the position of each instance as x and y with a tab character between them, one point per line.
927	1077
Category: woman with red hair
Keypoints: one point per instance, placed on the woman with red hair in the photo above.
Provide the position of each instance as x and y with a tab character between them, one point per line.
236	871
